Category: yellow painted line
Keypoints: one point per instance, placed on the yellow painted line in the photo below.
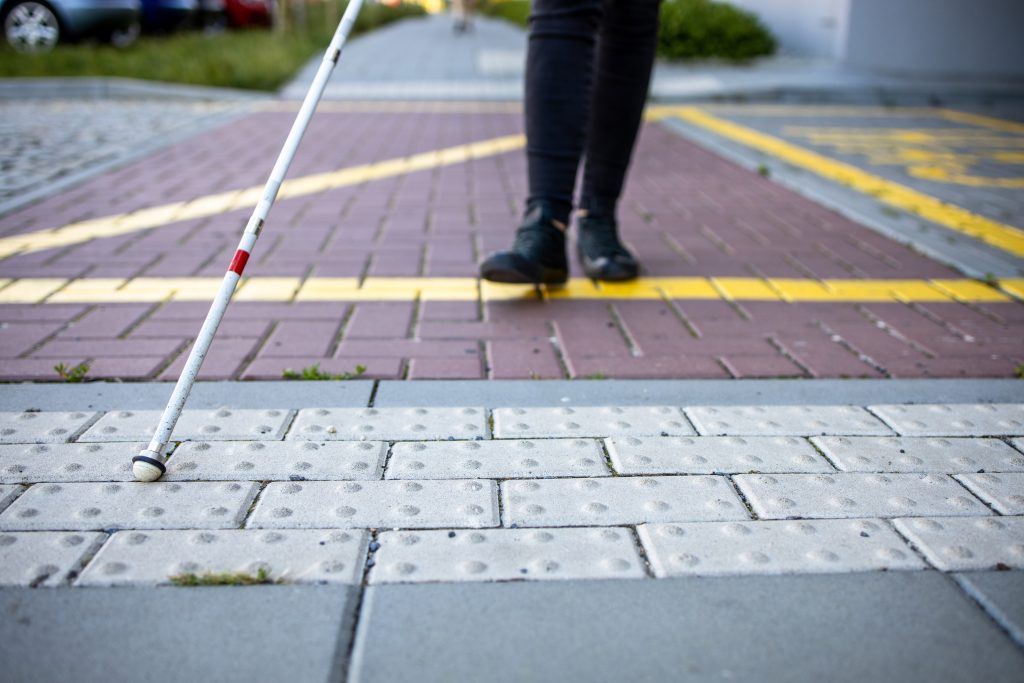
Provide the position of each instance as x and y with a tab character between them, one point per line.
276	289
999	235
981	120
156	216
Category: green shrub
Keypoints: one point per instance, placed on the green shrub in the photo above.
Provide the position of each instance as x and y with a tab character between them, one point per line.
703	28
516	11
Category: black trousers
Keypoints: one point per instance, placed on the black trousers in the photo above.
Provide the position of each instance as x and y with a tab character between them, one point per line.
588	68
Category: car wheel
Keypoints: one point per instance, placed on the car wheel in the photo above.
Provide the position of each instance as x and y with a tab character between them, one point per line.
125	37
31	27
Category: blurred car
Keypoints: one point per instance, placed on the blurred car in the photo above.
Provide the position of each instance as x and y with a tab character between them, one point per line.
243	13
167	16
38	25
212	15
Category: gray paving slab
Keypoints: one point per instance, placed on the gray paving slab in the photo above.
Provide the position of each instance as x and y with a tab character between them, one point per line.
959	419
390	424
913	627
919	454
853	494
506	555
269	460
525	423
531	393
43	426
229	634
1002	596
775	547
619	500
223	424
962	544
714	454
81	507
791	420
44	558
372	504
1004	491
67	462
8	492
291	556
503	459
204	395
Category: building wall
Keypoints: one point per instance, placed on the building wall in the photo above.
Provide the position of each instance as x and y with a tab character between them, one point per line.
809	28
941	37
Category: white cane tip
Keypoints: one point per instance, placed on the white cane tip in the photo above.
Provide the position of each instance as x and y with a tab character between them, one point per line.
144	471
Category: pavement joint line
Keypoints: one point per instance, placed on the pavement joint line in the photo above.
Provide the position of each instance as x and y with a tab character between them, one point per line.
410	289
983	603
999	235
231	200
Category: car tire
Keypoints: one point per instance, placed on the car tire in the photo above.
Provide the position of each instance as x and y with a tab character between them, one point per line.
31	26
125	37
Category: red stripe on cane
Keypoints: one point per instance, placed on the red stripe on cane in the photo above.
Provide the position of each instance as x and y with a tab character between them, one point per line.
238	263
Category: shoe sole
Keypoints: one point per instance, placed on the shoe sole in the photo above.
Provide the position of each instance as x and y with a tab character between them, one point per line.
501	268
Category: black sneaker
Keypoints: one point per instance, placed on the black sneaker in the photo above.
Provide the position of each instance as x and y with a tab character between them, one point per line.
601	253
537	256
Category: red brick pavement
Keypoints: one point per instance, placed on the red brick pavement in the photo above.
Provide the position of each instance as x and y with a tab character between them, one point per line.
686	213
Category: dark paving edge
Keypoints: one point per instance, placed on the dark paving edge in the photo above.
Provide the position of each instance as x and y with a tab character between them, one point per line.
968	255
501	393
1001	595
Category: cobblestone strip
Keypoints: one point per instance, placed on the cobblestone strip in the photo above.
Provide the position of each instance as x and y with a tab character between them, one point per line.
80	507
373	504
511	423
506	555
1004	492
622	500
276	460
848	494
293	556
967	419
391	424
963	544
67	462
714	455
43	427
784	420
206	425
44	558
910	454
775	547
497	459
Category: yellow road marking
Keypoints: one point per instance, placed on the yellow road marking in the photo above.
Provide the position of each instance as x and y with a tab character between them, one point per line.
999	235
156	216
268	289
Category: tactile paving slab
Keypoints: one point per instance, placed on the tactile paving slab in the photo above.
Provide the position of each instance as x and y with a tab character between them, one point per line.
775	547
67	462
195	425
372	504
784	420
389	424
189	505
43	558
918	454
266	460
1003	491
958	419
8	492
497	459
293	556
619	500
525	423
852	494
506	555
714	454
960	543
43	427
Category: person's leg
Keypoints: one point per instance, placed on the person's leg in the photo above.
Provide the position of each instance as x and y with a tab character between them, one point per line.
622	77
559	78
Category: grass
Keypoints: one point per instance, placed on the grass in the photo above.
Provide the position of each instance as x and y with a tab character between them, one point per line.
190	579
314	373
1019	371
251	59
72	374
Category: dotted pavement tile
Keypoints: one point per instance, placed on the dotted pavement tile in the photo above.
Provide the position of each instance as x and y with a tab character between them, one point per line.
1003	491
43	427
44	558
501	459
954	420
714	455
911	454
393	424
222	424
267	460
961	543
